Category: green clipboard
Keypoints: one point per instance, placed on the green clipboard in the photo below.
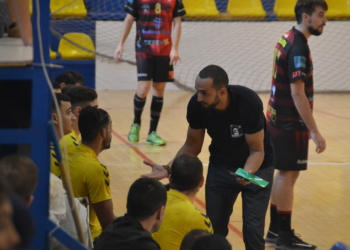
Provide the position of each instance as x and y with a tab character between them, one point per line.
249	177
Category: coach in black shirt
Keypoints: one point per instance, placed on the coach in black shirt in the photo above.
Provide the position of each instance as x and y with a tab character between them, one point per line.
234	119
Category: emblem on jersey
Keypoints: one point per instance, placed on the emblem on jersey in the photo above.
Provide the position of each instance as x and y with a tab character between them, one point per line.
236	131
157	22
146	7
299	62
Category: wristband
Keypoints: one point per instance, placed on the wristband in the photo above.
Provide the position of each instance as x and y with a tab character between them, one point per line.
167	168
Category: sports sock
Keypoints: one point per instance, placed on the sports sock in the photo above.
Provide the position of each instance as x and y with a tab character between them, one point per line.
273	219
284	220
156	108
139	103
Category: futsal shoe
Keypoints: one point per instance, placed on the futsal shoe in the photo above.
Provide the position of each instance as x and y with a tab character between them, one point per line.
154	139
289	241
271	238
133	135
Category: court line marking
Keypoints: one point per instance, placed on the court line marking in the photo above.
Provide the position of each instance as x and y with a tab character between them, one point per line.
325	113
143	156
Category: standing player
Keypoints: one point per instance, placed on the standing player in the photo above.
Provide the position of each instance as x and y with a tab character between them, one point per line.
234	119
290	118
155	56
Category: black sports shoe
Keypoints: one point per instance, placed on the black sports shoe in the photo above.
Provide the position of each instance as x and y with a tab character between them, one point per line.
289	241
271	238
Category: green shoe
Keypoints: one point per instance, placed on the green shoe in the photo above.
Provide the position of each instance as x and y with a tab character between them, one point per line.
133	135
154	139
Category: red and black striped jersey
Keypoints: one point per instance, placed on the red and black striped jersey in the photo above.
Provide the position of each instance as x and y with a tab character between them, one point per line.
154	24
292	62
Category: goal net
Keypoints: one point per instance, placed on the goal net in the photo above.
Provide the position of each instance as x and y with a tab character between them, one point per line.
238	35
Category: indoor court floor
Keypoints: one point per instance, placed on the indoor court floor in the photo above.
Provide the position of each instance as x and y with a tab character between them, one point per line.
321	213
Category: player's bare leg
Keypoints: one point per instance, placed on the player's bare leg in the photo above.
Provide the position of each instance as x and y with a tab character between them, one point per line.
143	88
156	107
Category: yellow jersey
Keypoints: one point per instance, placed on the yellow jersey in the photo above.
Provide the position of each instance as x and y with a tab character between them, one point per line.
89	179
180	218
55	168
71	140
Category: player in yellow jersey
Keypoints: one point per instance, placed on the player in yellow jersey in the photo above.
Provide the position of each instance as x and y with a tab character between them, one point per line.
81	97
181	216
89	177
68	119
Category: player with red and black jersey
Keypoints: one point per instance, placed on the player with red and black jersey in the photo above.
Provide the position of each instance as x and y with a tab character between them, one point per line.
290	119
156	53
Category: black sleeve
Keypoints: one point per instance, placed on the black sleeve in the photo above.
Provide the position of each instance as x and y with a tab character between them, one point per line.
253	118
193	116
131	8
297	64
179	9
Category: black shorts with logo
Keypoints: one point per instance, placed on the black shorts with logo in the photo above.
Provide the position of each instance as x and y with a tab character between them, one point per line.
291	149
154	68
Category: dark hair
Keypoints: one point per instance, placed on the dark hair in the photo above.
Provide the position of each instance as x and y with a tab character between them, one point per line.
146	196
20	173
218	74
60	98
308	7
186	173
80	95
91	121
191	237
210	242
70	78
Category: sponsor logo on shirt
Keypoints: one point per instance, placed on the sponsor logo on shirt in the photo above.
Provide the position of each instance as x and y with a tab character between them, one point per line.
158	32
141	74
271	114
157	22
286	35
156	42
168	8
145	7
236	131
302	161
299	62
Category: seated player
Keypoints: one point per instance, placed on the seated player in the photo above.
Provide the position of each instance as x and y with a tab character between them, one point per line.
9	237
89	177
145	210
210	242
80	97
191	237
20	174
181	216
67	123
70	78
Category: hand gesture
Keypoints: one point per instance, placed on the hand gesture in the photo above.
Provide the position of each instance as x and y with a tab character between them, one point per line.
118	53
158	172
319	141
174	57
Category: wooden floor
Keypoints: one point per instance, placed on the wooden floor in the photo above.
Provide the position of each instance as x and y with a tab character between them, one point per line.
321	211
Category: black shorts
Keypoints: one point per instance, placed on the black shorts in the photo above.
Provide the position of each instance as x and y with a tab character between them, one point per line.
154	68
291	149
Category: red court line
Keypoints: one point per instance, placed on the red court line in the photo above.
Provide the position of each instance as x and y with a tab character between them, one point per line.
325	113
143	156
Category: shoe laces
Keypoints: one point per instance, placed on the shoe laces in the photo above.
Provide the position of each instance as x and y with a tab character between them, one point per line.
296	238
155	136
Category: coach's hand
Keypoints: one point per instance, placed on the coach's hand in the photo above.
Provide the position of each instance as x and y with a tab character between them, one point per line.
243	181
158	171
174	56
118	53
319	141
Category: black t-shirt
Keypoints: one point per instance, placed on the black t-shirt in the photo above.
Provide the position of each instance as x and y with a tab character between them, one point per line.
125	233
292	62
154	24
244	115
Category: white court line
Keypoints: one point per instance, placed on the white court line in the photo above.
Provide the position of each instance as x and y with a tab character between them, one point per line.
323	163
